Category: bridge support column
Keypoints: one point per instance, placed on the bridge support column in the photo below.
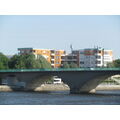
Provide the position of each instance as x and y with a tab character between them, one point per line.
83	82
78	91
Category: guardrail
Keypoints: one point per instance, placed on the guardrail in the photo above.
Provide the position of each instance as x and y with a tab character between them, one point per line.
61	69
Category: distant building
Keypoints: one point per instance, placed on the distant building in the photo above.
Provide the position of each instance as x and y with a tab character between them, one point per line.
54	57
93	57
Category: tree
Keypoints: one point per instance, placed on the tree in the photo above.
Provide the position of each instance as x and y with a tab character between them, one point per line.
28	61
73	65
3	61
44	63
66	65
110	65
17	62
116	63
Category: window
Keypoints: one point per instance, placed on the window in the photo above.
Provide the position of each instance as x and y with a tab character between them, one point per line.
62	57
106	52
57	57
81	62
99	51
52	57
98	57
98	62
52	51
57	63
52	62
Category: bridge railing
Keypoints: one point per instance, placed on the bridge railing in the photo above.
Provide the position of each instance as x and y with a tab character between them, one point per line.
60	69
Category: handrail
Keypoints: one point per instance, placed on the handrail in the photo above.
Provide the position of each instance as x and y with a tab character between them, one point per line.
60	69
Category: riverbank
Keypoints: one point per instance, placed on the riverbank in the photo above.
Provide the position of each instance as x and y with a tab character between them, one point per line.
108	87
42	88
57	87
53	87
5	88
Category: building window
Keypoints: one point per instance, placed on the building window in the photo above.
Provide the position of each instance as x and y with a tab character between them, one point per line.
81	62
52	57
62	57
106	53
98	62
52	51
52	62
57	57
57	63
98	57
34	51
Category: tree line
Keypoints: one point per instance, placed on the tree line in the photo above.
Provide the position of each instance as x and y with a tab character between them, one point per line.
114	64
29	61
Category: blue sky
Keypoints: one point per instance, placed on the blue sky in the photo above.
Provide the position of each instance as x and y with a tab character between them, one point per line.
59	31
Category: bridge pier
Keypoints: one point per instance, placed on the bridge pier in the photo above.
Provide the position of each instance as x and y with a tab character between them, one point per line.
78	91
83	82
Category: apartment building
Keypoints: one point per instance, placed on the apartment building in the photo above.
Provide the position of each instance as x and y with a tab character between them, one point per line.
93	57
71	58
54	57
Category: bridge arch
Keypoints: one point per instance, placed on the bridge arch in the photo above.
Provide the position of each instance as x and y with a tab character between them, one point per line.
79	80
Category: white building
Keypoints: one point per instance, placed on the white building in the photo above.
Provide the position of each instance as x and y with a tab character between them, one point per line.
93	57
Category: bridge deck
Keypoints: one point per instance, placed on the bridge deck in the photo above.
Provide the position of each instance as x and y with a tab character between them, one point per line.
60	69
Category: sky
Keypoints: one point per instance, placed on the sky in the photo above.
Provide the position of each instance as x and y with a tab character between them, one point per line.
59	32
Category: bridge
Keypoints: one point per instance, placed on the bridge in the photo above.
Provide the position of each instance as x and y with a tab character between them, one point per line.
78	79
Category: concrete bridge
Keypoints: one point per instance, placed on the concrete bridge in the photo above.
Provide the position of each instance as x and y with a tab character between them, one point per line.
78	79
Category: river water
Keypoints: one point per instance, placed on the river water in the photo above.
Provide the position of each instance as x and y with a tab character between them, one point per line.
60	98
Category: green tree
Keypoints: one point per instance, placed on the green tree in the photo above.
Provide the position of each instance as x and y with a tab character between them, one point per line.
73	65
3	61
110	65
28	62
66	65
16	62
43	62
116	63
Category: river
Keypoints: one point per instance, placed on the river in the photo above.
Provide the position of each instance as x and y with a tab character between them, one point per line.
60	98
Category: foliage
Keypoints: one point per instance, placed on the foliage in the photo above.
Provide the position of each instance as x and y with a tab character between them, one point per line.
116	63
73	65
70	65
28	62
66	65
44	63
110	65
3	61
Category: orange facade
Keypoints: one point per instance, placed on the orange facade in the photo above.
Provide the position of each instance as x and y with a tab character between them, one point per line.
53	56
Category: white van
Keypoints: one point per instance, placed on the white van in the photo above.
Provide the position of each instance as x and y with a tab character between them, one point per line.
57	80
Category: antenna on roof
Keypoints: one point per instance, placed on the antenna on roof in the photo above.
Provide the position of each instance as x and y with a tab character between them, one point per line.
71	48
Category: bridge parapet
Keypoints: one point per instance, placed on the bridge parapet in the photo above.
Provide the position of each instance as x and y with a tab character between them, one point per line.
60	69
